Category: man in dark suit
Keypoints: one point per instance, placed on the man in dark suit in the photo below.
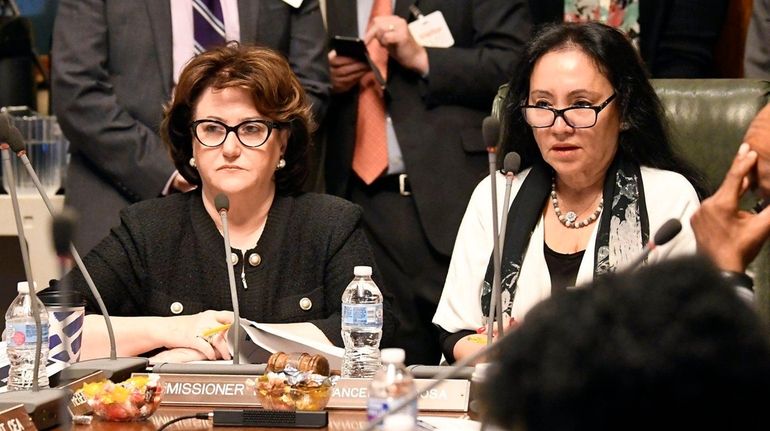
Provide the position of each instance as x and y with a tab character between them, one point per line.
113	69
676	37
435	100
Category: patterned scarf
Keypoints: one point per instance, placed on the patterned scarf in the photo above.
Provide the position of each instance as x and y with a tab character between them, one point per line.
623	226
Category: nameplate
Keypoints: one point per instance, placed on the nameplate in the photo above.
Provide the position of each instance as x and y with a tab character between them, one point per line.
78	405
449	396
231	391
16	419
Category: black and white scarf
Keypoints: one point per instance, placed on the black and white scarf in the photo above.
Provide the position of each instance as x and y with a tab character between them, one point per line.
623	226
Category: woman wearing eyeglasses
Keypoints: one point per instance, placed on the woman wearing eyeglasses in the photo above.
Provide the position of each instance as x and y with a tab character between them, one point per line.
239	124
598	178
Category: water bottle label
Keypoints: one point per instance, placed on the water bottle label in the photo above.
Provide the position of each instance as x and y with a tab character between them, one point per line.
366	315
23	334
375	407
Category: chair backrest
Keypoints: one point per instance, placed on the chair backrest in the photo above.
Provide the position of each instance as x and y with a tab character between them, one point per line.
707	119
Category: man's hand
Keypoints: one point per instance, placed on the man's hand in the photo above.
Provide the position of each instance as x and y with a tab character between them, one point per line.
391	31
345	72
730	236
758	138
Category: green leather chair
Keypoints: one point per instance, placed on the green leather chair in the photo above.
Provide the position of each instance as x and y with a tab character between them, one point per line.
707	119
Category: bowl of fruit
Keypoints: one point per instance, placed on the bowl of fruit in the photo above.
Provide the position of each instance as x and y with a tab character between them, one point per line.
135	399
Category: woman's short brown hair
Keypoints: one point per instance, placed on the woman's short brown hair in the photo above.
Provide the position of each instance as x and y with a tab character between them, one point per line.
277	95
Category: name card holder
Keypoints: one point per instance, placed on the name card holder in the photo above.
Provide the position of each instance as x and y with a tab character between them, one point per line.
16	419
231	391
78	405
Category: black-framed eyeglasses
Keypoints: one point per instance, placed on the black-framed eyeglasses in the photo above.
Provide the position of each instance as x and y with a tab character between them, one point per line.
250	133
577	117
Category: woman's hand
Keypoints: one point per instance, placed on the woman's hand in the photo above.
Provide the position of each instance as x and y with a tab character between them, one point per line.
178	355
187	332
472	343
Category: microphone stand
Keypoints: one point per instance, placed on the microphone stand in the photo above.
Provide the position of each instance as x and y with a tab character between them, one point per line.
233	291
119	368
8	168
495	306
46	408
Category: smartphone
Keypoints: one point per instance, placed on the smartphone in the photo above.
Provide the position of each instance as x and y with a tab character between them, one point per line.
352	47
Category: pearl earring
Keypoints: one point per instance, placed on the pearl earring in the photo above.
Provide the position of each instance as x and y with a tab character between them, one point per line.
281	164
192	162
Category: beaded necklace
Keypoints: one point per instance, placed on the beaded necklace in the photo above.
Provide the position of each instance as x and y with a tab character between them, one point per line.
569	220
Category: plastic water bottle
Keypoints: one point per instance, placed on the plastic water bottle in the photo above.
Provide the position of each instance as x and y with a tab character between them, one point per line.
390	386
20	334
361	325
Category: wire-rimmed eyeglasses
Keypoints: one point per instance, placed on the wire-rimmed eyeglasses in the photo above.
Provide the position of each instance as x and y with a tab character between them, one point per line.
250	133
577	117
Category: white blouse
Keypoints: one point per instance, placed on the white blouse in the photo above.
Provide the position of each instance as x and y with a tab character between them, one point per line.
667	195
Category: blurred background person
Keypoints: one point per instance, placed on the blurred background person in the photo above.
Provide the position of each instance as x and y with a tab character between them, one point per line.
599	177
730	236
239	124
114	64
757	57
411	154
676	38
659	348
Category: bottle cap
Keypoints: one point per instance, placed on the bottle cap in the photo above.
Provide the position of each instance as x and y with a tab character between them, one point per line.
362	271
481	371
392	356
23	287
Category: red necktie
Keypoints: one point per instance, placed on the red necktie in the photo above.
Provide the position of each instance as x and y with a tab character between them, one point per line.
370	156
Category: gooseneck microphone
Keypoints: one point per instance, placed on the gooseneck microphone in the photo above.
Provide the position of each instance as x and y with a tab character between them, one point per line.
119	368
11	138
46	408
511	165
222	204
490	130
665	233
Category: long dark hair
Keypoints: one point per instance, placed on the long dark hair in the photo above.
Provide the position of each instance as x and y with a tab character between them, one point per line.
643	137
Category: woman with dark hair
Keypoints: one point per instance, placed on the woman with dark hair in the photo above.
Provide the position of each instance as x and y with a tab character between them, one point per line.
239	124
599	176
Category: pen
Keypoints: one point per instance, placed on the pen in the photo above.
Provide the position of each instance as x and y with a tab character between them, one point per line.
215	330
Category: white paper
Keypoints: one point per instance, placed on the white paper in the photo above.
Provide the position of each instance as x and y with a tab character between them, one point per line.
294	3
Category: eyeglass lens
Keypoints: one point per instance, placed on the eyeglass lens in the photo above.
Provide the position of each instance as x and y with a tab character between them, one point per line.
250	133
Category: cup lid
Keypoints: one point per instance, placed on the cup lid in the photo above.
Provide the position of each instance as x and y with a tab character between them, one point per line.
56	297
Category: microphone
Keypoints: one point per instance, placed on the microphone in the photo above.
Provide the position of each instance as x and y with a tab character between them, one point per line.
46	408
511	165
490	131
665	233
63	230
222	204
114	367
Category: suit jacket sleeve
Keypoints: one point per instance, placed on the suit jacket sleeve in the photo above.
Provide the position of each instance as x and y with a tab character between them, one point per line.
90	114
471	75
757	61
307	55
348	247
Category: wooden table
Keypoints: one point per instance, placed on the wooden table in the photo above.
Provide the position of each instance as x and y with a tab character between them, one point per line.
339	420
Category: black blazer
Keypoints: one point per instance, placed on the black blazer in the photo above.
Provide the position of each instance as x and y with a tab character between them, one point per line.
112	72
676	38
169	250
437	120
